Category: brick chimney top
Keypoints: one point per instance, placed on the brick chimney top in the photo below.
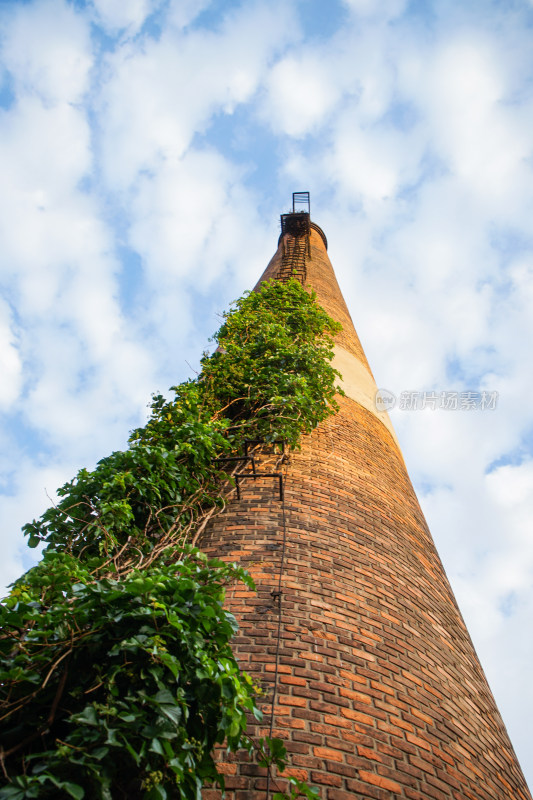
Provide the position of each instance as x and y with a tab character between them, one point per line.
298	221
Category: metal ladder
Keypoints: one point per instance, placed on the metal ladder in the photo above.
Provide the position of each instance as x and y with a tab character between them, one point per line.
293	261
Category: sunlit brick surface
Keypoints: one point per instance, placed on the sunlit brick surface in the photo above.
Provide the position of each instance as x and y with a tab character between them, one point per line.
380	693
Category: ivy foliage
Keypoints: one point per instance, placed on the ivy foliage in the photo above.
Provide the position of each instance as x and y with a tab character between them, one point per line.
117	677
133	681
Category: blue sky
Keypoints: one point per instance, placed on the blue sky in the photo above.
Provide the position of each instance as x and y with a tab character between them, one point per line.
146	151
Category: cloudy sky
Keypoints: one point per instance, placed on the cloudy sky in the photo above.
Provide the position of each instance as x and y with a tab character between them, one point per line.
147	148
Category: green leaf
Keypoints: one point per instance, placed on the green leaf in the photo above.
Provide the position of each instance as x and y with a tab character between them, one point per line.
156	747
157	792
73	790
88	716
13	793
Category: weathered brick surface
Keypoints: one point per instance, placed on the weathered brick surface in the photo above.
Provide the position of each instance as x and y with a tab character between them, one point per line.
380	693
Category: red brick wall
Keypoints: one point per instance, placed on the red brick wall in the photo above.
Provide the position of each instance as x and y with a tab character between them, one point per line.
380	693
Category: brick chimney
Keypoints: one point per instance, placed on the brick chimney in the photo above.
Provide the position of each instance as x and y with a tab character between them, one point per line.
369	674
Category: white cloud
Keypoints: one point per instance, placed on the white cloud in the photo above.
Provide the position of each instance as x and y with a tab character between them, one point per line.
371	164
31	495
480	135
116	15
46	47
182	12
75	361
10	364
158	97
384	10
300	95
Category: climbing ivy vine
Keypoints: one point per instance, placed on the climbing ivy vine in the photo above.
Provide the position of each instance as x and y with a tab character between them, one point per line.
117	677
